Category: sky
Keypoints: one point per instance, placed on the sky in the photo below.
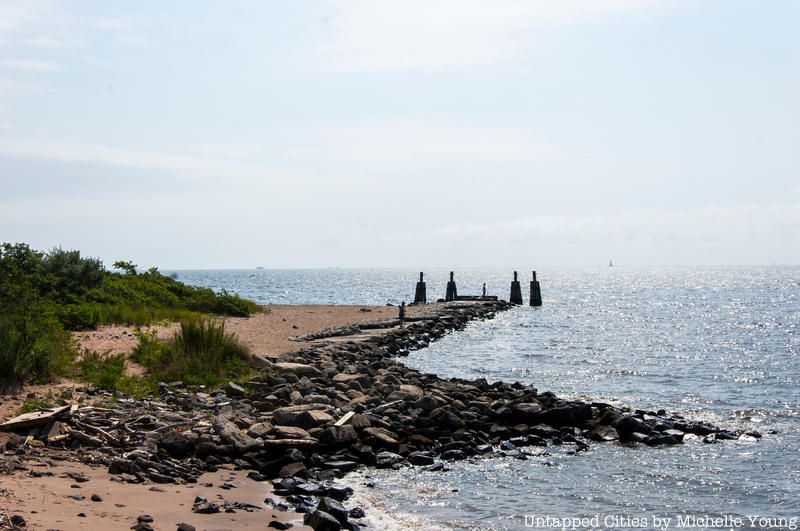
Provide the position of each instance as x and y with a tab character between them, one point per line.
435	133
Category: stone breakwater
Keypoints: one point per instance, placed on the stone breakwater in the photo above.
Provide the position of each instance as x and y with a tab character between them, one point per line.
341	402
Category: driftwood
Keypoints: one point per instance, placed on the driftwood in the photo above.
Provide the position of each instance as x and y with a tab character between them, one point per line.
345	418
34	420
84	438
290	442
107	437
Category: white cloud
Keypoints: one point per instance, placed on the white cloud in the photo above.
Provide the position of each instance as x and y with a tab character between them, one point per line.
15	15
127	157
32	64
777	223
431	34
414	145
369	149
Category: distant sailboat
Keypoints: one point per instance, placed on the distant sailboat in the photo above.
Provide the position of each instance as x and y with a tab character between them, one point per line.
610	263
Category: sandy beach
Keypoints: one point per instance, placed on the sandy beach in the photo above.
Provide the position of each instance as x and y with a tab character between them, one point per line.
47	502
58	501
267	334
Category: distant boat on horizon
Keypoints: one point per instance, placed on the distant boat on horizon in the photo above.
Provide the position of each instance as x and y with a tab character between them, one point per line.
260	267
610	263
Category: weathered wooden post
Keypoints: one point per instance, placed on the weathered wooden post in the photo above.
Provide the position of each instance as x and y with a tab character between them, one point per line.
420	295
452	292
516	291
536	292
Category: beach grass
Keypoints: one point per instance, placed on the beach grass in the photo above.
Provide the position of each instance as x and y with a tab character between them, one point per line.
201	352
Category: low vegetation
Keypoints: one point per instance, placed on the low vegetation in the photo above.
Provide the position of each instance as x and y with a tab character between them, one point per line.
201	352
44	295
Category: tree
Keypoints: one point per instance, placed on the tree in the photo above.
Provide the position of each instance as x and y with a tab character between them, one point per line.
128	267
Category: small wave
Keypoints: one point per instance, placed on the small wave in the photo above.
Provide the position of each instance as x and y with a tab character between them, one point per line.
380	514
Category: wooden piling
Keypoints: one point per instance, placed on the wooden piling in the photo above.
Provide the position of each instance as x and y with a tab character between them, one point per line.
536	292
452	292
420	295
516	291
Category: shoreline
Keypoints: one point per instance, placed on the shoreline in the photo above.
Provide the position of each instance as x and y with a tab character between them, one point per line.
344	400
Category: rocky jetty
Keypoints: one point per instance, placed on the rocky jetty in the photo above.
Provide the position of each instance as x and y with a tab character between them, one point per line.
342	402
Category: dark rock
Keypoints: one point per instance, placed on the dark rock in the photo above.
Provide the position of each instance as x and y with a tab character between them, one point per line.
526	411
292	469
185	527
427	403
450	420
313	419
234	390
290	432
604	434
627	425
334	508
545	431
454	455
78	476
677	434
230	433
259	429
658	440
338	435
573	415
339	492
96	498
420	459
277	524
342	466
357	512
144	519
176	444
203	506
387	459
322	521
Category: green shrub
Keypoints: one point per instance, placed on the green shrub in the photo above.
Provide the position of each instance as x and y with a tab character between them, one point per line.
201	352
33	343
44	294
86	295
101	371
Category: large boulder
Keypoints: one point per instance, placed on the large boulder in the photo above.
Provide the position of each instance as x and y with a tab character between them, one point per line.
322	521
572	415
290	432
313	419
290	415
176	444
526	411
405	392
338	435
380	438
231	434
627	425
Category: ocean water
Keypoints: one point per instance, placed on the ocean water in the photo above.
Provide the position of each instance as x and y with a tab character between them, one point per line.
718	344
